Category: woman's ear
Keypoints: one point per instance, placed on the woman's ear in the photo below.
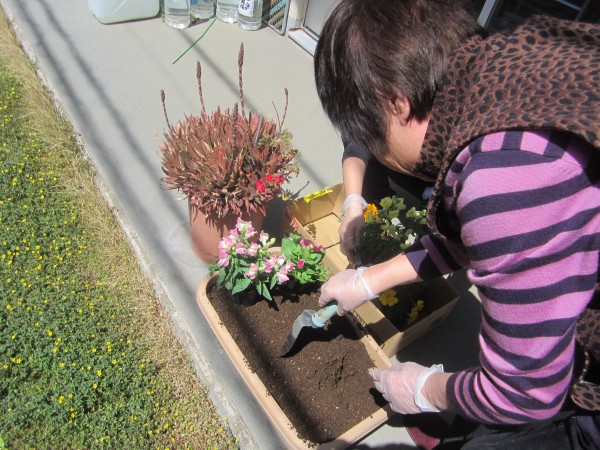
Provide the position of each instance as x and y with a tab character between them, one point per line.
399	109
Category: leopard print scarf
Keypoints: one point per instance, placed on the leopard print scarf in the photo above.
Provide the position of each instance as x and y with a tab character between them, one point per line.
544	75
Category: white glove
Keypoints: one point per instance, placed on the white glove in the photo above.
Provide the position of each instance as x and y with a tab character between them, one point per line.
352	222
402	386
349	288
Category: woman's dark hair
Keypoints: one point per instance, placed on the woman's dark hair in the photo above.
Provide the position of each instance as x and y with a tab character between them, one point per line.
371	51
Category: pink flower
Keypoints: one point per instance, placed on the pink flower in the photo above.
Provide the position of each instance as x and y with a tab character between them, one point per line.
300	264
305	242
279	180
263	238
223	262
269	265
253	249
252	271
282	278
243	226
227	243
260	186
250	231
269	178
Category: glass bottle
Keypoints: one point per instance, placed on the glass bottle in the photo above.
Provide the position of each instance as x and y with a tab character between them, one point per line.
227	10
250	14
202	9
177	13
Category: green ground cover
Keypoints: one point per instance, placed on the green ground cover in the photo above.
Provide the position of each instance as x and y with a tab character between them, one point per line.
88	358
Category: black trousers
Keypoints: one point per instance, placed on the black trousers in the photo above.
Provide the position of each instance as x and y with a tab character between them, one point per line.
567	431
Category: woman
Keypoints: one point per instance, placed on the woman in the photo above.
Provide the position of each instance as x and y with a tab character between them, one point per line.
508	127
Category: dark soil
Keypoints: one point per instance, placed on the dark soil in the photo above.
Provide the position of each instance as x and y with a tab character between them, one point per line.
322	385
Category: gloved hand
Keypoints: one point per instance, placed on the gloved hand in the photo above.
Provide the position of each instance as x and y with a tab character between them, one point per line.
349	288
352	222
402	386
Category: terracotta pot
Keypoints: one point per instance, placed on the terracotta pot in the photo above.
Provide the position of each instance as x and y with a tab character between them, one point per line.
273	411
206	232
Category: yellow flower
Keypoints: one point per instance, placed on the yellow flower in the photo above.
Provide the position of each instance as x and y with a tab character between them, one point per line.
370	210
388	298
414	313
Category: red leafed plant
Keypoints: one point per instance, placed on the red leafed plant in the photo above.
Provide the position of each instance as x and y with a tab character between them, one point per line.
224	162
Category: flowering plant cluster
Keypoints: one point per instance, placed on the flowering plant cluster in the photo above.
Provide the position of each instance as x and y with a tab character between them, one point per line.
307	258
246	261
226	162
407	310
388	230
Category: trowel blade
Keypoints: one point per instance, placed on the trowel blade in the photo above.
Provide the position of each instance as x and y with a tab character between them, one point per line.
303	320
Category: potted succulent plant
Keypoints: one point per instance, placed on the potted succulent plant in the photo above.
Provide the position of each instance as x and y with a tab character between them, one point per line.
251	302
227	164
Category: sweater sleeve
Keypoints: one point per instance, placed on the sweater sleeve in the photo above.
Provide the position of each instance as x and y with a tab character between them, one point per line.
432	258
353	148
528	216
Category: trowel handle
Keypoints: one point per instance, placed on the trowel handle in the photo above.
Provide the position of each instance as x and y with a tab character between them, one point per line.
320	318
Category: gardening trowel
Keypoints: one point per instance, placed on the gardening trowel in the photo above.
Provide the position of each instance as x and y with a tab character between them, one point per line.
308	318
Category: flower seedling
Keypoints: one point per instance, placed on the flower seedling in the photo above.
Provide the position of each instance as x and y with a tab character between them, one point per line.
307	258
388	230
245	261
402	305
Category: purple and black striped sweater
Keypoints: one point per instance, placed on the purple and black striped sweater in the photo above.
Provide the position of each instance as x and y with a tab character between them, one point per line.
526	206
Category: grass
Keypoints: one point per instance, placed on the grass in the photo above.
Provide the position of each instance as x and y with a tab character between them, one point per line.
88	357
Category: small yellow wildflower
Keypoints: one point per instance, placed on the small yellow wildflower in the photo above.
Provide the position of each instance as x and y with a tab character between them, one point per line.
388	298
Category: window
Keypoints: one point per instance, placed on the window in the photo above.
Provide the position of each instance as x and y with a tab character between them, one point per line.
500	14
317	12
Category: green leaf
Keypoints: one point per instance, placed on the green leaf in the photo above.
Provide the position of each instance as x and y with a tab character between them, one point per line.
241	285
262	290
386	202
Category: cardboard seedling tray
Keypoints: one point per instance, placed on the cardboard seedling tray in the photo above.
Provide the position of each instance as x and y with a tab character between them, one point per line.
317	217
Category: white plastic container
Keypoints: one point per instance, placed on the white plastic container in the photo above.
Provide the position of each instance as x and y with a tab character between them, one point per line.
110	11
